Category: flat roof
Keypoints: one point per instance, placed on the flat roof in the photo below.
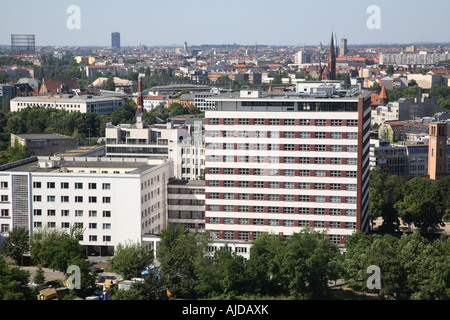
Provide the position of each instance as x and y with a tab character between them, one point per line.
33	166
67	98
188	183
43	136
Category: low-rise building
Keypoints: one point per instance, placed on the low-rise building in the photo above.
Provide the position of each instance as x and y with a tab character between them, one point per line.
103	105
112	200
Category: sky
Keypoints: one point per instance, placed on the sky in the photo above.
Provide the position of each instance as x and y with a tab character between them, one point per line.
246	22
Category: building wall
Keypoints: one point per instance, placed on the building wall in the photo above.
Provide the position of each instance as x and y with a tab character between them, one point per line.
277	203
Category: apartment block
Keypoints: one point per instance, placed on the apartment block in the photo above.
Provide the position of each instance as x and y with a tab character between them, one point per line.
276	163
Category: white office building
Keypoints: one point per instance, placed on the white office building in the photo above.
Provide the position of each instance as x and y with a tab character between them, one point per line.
113	200
102	105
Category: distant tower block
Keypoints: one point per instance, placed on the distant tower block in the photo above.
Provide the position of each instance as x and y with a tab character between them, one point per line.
437	151
23	43
343	48
115	40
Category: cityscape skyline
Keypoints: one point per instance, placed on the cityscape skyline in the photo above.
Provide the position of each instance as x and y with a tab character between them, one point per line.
242	23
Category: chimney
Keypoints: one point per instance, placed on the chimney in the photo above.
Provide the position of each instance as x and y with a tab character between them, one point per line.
140	101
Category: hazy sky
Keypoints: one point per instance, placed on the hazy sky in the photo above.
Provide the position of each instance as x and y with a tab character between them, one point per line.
281	22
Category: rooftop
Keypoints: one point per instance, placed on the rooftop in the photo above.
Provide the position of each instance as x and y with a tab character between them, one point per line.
61	164
67	98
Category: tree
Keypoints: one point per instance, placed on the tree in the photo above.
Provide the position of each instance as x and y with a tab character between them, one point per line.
55	248
6	107
224	278
109	83
16	244
308	262
390	70
14	283
130	260
181	253
418	208
39	277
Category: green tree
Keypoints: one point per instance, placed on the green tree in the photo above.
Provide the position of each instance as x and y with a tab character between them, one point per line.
181	253
109	83
308	262
39	277
126	113
14	283
130	260
224	278
55	248
16	244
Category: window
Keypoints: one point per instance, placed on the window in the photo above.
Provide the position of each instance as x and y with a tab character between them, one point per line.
304	147
274	134
51	212
336	148
352	123
335	199
65	225
228	235
289	172
319	224
352	161
214	133
92	199
51	198
92	186
243	236
303	173
274	197
244	121
258	222
335	186
243	208
288	210
320	147
290	159
92	225
351	174
304	185
321	122
288	223
4	185
335	173
64	198
78	185
106	238
336	135
305	122
274	184
36	198
214	121
106	214
335	239
274	122
106	226
36	185
319	186
320	173
319	160
319	198
319	211
350	199
289	147
303	198
350	225
289	134
274	222
258	121
336	123
351	187
106	199
64	185
273	209
243	134
289	122
228	121
50	185
4	213
289	185
273	147
335	161
92	238
352	135
258	209
258	184
37	212
305	135
243	196
92	213
352	148
64	213
335	212
321	135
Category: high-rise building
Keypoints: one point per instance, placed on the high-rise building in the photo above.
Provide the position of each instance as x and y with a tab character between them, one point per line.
22	43
303	57
115	40
279	163
343	49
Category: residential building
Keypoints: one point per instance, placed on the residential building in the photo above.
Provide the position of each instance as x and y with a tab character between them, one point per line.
44	144
114	201
421	58
102	105
186	204
425	81
276	163
61	85
183	143
303	57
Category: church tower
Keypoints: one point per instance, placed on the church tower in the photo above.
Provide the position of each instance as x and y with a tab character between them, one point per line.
332	61
437	150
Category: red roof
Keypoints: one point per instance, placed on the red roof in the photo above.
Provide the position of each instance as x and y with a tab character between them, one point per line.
383	94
